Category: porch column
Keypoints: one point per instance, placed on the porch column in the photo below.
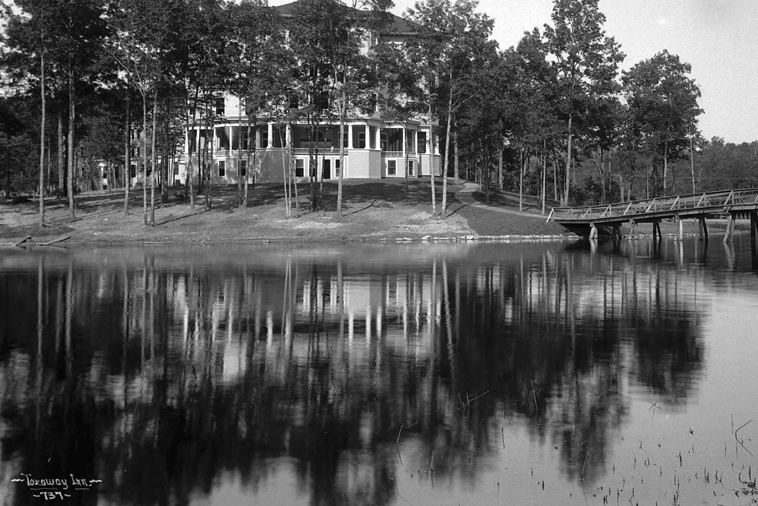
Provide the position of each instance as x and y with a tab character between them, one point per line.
378	139
270	127
405	140
258	138
368	136
349	136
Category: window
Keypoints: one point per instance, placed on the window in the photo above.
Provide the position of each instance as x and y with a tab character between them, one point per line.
280	136
220	110
359	136
410	167
176	169
221	168
132	170
222	138
264	137
299	167
372	137
392	139
337	168
391	167
243	167
421	142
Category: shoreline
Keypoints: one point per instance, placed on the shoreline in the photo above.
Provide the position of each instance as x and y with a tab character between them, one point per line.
373	212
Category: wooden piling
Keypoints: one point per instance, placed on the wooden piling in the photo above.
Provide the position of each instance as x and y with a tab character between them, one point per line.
616	231
657	231
702	229
729	229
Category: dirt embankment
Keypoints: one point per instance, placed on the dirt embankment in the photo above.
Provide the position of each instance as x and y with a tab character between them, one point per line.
372	211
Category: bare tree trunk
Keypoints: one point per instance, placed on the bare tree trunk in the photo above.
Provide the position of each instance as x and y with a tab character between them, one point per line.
544	174
293	176
144	157
42	143
405	136
239	154
521	181
447	159
343	112
153	160
127	154
500	181
166	166
568	162
431	159
250	133
455	154
61	156
71	131
665	165
447	153
209	149
188	184
692	165
287	204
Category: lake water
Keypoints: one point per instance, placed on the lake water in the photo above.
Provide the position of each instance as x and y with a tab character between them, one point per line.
421	374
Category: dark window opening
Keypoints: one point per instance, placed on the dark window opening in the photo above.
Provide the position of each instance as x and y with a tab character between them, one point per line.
299	167
421	143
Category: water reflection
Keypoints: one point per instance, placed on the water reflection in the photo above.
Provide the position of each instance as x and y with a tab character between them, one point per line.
168	375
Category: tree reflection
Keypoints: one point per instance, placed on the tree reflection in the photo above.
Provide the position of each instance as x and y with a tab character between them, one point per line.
165	381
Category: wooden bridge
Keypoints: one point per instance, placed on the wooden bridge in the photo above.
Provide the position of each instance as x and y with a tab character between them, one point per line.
607	219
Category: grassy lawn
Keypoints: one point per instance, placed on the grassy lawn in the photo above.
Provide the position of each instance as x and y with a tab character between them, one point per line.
372	210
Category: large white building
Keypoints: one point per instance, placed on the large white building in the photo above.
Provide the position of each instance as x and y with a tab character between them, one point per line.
374	147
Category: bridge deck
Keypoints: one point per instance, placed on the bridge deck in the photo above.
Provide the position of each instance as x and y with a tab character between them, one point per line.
732	203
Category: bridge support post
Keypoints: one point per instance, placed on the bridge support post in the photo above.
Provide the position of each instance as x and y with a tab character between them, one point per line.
753	225
681	227
616	231
729	229
632	229
593	231
702	229
657	230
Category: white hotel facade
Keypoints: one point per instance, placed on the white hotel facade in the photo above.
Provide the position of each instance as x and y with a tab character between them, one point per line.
374	148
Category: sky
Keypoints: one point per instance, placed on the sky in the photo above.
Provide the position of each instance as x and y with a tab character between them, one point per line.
719	38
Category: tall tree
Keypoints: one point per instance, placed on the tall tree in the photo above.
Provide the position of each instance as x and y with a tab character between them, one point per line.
259	71
319	29
586	65
663	106
451	49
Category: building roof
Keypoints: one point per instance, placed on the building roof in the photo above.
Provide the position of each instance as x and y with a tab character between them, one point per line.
395	25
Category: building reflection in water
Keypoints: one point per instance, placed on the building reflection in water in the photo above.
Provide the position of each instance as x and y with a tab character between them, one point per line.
164	378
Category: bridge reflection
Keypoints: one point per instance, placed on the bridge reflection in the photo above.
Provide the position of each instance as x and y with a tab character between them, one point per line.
165	381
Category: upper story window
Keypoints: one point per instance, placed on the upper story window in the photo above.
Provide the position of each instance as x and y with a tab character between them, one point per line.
220	109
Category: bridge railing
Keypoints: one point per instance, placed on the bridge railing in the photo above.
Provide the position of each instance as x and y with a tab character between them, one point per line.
725	199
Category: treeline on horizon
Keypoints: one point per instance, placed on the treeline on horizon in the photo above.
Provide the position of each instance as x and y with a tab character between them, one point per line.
553	116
